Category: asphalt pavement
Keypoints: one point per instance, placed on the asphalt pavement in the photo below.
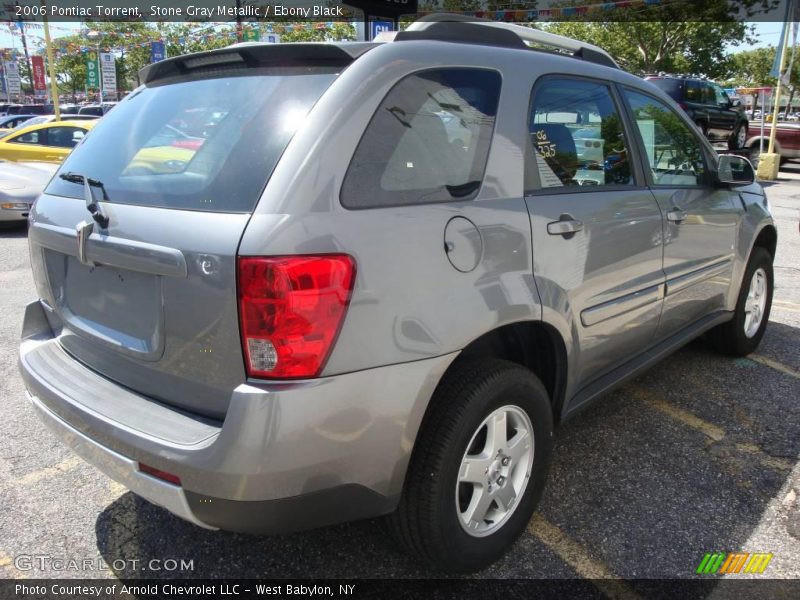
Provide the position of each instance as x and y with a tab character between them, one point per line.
700	454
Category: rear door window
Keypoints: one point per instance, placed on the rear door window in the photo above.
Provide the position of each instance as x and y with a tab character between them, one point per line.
202	144
427	142
577	135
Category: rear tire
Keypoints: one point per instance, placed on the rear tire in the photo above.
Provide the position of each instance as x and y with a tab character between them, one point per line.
741	335
442	490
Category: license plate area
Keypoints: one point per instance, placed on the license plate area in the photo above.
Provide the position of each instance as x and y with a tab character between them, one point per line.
117	308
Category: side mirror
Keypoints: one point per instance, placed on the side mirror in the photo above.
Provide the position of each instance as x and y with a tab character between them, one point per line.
736	102
735	170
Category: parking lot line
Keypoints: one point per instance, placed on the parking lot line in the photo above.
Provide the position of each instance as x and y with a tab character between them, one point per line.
773	462
787	308
576	556
711	431
774	364
64	466
786	303
684	416
7	565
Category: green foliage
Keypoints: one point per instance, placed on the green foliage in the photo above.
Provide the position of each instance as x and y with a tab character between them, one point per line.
750	68
130	43
649	47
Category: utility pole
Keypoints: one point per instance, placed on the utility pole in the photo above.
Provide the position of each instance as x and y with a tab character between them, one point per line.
25	48
51	63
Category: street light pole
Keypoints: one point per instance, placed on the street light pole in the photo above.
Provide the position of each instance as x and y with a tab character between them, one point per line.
51	64
25	48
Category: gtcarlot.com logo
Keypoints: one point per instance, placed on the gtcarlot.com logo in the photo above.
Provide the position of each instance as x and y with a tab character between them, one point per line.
43	562
733	563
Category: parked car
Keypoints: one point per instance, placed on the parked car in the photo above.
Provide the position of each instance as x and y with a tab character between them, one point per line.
5	108
34	109
96	109
10	122
38	119
787	141
369	291
20	185
48	142
715	114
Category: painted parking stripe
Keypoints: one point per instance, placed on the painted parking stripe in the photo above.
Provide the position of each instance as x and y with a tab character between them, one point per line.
684	416
774	364
576	556
7	566
710	430
70	464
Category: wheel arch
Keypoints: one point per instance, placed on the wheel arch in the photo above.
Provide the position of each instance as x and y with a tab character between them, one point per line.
767	238
535	345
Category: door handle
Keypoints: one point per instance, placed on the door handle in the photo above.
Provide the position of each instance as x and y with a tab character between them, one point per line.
566	226
676	215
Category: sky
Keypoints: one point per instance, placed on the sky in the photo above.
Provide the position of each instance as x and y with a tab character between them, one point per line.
768	34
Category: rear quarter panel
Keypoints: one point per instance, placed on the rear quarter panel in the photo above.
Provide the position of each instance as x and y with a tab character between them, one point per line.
409	302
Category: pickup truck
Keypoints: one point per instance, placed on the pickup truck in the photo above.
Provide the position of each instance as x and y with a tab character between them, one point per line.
787	140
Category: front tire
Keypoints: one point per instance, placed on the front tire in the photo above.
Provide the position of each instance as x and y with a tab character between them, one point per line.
478	468
741	335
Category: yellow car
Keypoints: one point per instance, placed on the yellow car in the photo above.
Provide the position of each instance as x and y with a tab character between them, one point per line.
159	160
46	142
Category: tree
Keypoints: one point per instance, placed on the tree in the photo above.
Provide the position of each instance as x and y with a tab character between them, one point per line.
751	68
649	47
665	37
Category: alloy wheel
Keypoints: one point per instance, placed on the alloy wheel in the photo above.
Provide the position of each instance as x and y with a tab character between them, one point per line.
494	471
756	302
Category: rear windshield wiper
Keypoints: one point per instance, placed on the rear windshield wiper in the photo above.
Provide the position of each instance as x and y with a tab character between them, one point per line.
91	205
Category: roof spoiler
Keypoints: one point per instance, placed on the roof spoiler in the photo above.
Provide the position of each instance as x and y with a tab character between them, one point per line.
255	54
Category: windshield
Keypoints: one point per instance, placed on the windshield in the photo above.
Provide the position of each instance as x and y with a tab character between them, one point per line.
205	144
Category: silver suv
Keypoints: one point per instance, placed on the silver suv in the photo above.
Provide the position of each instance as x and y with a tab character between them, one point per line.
285	286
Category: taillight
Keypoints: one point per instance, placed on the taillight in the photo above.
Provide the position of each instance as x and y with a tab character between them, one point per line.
682	105
290	311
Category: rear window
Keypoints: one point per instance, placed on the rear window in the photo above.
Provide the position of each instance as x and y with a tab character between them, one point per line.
208	144
428	141
673	87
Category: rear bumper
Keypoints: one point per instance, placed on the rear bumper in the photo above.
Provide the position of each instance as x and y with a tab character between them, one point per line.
288	455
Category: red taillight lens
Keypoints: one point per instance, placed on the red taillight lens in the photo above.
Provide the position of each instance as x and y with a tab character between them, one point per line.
159	474
290	311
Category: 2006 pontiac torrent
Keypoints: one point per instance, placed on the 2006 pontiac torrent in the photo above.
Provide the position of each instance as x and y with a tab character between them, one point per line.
288	285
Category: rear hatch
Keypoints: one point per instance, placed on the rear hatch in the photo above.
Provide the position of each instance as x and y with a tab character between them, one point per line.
177	168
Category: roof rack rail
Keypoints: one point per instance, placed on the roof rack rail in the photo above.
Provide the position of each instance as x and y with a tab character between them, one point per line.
460	28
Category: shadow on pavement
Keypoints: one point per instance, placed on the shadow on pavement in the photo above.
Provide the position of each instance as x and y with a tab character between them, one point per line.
640	489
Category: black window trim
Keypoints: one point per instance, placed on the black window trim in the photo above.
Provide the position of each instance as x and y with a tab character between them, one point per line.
637	171
704	145
472	197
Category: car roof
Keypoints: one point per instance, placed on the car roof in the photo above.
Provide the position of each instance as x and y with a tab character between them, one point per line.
473	33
